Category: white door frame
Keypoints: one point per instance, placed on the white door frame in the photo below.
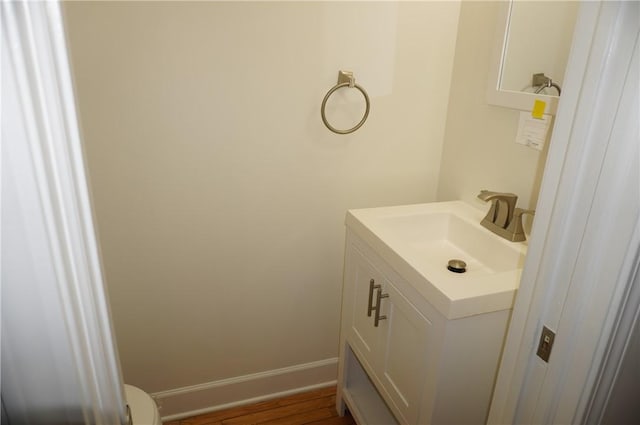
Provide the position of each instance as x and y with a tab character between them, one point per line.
584	245
617	362
56	326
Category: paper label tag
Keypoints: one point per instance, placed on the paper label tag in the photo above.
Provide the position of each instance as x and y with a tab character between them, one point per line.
533	132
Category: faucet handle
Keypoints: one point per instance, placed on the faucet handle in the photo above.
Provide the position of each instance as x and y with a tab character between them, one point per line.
502	207
522	211
515	229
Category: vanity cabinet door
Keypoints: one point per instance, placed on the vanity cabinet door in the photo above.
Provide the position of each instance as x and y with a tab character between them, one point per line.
363	336
396	351
402	367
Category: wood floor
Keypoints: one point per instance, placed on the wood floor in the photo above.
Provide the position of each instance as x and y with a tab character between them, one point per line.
315	407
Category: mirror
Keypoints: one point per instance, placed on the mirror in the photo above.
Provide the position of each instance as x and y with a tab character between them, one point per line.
532	38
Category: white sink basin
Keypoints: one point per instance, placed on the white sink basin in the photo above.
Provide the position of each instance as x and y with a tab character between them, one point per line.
418	241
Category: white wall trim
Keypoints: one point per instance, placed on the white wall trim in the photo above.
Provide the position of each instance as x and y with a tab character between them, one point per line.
245	378
231	392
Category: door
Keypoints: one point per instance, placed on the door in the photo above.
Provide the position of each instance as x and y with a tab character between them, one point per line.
365	281
403	353
581	251
58	358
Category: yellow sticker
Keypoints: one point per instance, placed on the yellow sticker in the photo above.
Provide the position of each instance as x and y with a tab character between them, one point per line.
538	109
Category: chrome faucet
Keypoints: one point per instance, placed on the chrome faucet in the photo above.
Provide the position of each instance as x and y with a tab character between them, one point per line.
503	218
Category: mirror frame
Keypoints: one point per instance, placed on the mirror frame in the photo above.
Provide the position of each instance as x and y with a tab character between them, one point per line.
507	98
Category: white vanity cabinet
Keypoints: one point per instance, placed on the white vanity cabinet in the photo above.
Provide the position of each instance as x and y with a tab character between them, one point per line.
416	366
381	344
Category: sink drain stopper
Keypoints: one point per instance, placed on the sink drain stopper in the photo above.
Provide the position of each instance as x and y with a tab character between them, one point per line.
457	266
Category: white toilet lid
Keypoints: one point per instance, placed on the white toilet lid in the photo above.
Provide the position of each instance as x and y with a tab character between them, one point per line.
143	409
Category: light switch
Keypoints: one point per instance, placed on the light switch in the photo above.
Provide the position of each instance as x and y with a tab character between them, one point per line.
545	344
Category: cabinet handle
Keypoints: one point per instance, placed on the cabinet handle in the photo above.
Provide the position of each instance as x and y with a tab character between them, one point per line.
372	286
379	296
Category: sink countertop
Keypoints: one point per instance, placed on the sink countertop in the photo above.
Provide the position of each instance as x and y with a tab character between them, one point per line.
404	237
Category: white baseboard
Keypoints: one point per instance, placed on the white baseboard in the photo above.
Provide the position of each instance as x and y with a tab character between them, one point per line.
226	393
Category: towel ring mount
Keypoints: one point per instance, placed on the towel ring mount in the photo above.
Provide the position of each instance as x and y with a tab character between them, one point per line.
345	79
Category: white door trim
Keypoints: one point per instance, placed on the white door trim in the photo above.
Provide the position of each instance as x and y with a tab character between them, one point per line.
616	349
576	239
43	165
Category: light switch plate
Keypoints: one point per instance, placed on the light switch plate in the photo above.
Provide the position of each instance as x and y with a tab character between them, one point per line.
546	343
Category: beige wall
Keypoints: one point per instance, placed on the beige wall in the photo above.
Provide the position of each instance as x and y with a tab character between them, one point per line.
220	196
480	150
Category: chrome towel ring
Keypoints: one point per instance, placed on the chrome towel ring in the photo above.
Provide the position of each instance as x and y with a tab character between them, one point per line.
345	79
